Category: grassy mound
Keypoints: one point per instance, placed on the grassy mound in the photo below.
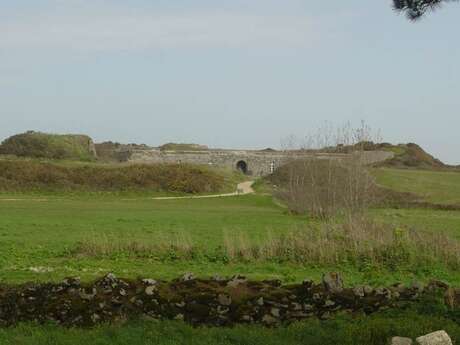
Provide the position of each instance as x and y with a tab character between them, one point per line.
406	155
412	156
36	176
50	146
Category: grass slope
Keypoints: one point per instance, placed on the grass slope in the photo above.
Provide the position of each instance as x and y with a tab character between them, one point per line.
411	156
441	187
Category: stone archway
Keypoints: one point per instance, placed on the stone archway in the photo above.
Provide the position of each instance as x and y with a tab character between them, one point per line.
242	166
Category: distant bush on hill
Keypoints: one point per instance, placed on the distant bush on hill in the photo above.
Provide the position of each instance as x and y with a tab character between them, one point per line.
19	176
50	146
183	147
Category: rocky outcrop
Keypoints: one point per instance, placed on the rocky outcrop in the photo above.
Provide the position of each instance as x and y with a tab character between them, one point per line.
215	301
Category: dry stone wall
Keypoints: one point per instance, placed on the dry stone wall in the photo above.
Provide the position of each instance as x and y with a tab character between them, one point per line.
216	301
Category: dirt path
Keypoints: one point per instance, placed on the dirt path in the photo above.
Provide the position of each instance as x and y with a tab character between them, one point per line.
242	189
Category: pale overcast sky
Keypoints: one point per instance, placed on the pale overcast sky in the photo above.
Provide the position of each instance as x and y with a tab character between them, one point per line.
236	73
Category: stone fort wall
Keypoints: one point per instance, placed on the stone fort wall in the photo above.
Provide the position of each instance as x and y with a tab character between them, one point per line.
257	163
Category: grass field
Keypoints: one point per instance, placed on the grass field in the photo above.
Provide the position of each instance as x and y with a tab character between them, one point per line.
441	187
40	233
423	219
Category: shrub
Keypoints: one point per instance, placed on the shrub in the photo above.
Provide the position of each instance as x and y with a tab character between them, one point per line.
31	175
325	188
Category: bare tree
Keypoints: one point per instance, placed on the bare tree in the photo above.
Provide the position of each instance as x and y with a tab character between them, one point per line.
329	182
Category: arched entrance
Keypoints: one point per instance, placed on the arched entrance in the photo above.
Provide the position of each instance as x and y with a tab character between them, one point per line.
242	166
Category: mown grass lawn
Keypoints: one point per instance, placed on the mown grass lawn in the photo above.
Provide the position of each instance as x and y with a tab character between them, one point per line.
57	222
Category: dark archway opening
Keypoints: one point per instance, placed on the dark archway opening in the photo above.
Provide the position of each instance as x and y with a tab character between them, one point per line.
242	166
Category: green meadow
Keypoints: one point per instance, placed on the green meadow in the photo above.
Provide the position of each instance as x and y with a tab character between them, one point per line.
51	236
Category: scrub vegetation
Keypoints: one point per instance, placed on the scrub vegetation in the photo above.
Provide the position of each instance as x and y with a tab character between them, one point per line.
23	176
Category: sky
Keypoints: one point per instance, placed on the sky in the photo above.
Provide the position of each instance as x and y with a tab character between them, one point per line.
229	73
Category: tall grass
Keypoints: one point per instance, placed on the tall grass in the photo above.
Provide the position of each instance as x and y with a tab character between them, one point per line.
356	241
101	245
